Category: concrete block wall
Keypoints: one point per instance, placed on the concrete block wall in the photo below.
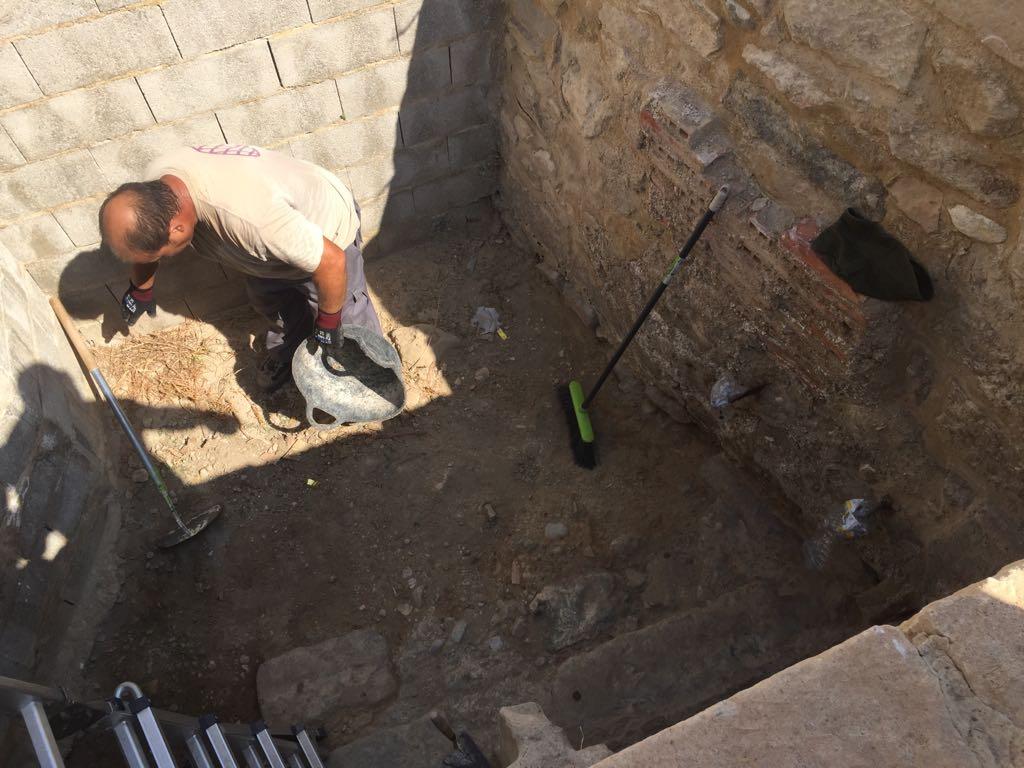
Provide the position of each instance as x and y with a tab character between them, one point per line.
394	97
619	119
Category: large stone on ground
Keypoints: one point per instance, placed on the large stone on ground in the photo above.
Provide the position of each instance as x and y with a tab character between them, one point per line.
873	34
576	611
976	226
870	702
529	740
415	745
308	684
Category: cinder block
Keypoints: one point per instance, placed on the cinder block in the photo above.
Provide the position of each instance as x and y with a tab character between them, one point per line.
471	59
215	80
37	237
425	23
433	118
78	118
10	155
455	191
77	271
386	211
201	26
317	53
328	9
401	168
217	299
70	57
289	113
391	83
21	18
113	5
48	183
16	84
474	145
349	143
80	221
125	159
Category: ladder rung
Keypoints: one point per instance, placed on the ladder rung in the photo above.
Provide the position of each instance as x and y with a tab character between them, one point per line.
43	743
131	747
142	708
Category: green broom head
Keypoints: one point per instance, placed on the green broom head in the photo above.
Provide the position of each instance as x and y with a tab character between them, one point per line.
581	431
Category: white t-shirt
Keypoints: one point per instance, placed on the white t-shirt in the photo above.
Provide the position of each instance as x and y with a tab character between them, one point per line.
261	212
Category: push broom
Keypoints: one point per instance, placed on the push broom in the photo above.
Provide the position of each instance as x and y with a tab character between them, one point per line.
572	396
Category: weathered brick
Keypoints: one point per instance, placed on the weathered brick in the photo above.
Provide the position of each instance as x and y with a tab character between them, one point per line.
20	18
215	80
424	23
37	237
201	26
471	59
402	168
349	143
328	9
454	191
433	118
289	113
47	183
10	155
70	57
316	53
392	83
472	146
125	159
80	221
16	84
78	118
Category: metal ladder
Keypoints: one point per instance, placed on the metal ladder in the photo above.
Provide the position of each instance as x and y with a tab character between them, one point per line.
150	737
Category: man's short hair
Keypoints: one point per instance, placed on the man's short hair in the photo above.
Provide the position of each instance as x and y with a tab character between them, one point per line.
154	204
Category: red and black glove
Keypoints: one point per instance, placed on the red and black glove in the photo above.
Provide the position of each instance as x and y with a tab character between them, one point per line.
137	302
328	334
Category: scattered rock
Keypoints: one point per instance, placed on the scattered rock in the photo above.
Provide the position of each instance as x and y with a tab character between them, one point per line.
920	201
482	373
415	745
140	476
404	608
634	578
459	631
554	531
495	644
527	739
625	545
976	226
489	511
307	684
576	611
516	573
436	646
739	15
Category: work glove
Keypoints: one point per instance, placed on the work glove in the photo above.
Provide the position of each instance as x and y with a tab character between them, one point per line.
328	335
137	302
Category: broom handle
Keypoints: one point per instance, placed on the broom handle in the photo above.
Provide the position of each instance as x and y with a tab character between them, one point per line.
709	214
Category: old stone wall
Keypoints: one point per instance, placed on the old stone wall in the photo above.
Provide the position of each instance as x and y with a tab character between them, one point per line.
619	119
392	96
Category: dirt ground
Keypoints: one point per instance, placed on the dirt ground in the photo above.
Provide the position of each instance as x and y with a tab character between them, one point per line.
411	526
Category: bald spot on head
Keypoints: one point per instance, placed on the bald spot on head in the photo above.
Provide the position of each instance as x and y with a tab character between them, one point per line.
118	218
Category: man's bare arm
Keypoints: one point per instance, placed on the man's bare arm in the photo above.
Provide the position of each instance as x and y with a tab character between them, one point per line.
331	278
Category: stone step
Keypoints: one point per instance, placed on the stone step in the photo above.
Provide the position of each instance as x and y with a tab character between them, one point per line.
414	745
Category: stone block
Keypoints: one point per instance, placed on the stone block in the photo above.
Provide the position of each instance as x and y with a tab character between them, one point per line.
997	24
16	84
215	80
10	155
78	118
979	95
70	57
126	158
349	143
873	34
920	201
37	237
414	745
328	9
797	85
80	221
426	23
467	187
529	740
47	183
393	83
307	683
473	145
871	701
692	22
23	18
471	59
955	160
317	53
976	226
534	30
434	118
201	26
398	169
285	114
588	99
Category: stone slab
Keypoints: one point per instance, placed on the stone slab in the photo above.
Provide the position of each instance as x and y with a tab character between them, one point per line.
997	23
415	745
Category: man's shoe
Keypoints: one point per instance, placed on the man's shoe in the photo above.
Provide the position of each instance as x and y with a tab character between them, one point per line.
273	374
